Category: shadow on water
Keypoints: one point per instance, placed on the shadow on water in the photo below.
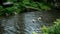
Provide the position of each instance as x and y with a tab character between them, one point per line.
22	24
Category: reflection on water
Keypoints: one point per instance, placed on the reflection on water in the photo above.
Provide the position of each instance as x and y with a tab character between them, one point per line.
22	24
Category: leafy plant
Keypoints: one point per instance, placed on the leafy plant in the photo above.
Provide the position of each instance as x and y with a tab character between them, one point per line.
55	29
20	6
34	32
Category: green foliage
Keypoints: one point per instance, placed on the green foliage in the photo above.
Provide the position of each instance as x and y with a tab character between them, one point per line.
9	10
33	4
26	1
1	12
17	7
44	6
34	32
55	29
41	5
1	8
20	6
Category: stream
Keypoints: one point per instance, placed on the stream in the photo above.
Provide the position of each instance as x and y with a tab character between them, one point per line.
26	23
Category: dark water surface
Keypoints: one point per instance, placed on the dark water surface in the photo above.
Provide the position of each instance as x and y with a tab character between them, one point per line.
23	23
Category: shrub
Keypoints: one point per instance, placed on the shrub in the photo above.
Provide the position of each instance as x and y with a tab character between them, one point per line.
55	29
19	6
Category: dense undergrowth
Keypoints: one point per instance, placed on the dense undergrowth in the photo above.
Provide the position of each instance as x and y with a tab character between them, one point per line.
19	6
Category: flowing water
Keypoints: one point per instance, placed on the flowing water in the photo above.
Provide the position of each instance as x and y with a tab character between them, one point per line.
24	24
